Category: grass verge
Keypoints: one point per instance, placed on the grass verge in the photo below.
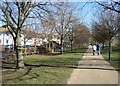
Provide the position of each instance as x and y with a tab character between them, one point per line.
114	59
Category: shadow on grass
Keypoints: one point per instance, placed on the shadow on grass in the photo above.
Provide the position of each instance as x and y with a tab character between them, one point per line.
47	65
53	54
62	64
8	65
75	67
18	77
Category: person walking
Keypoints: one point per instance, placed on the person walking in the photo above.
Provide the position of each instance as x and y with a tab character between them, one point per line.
98	49
94	49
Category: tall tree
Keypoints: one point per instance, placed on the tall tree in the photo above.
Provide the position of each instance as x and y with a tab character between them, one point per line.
81	35
63	17
100	33
13	16
71	28
107	27
108	23
48	24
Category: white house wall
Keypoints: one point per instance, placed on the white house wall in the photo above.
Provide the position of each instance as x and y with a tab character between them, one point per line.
5	39
4	36
30	42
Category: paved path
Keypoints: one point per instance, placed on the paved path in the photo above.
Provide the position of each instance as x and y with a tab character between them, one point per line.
93	70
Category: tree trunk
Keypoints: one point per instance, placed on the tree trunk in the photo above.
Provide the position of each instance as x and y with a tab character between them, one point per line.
109	51
52	47
49	47
16	51
103	45
19	56
61	45
25	53
71	42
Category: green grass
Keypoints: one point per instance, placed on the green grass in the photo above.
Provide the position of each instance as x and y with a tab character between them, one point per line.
115	59
44	69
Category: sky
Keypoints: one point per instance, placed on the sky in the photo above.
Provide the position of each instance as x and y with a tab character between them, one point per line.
86	13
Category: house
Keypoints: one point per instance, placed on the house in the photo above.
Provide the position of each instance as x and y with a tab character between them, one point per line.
28	38
5	37
31	38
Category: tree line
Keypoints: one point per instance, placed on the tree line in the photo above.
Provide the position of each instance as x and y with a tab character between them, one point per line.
55	18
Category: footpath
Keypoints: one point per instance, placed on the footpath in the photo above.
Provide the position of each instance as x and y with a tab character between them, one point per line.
93	70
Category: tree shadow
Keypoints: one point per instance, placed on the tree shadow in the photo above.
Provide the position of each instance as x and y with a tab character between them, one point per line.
96	59
77	50
53	54
111	69
56	62
10	65
47	65
59	63
20	77
81	66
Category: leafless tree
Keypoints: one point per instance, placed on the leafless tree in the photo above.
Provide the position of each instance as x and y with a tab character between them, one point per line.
63	16
48	25
107	27
81	35
100	33
114	5
71	28
13	15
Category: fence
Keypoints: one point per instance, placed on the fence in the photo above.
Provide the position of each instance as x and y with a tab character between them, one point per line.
10	53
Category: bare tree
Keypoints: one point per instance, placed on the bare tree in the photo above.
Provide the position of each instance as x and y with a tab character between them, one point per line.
100	33
114	5
107	27
72	26
63	16
14	15
81	35
48	25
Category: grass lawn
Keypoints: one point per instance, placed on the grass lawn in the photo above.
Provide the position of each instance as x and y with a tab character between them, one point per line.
43	69
115	58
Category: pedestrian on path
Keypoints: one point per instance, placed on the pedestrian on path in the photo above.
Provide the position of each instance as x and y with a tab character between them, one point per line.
94	49
98	49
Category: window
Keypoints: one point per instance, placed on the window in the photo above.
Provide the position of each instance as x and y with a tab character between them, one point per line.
7	41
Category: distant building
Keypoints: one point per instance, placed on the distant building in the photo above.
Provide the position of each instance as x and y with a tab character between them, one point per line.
56	39
5	37
27	37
